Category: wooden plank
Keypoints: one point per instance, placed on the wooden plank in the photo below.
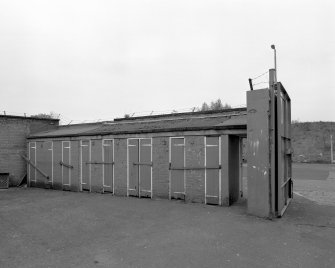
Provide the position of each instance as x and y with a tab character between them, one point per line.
40	171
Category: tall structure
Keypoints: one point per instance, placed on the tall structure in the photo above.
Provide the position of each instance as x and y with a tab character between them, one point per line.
270	186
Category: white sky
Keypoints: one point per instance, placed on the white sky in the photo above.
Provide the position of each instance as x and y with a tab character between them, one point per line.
90	60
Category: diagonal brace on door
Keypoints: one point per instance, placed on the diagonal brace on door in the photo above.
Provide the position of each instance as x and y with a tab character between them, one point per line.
35	167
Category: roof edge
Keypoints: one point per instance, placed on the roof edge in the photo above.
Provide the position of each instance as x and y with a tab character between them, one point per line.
238	126
181	114
28	117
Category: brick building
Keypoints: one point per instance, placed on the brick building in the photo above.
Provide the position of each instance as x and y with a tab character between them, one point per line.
13	133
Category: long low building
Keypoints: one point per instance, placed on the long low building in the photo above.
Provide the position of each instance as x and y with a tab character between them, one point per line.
195	157
191	156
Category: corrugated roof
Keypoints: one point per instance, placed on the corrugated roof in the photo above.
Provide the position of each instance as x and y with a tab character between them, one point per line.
219	120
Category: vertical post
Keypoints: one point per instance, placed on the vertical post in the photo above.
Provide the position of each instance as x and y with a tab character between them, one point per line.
250	84
241	166
275	66
331	150
272	78
275	60
272	141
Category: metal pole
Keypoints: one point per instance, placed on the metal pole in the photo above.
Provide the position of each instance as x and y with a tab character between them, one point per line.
250	84
331	149
275	59
276	67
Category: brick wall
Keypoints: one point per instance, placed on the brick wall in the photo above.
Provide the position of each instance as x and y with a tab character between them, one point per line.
120	172
13	133
195	179
160	169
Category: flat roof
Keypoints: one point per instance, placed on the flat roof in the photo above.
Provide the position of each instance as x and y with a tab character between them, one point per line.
214	120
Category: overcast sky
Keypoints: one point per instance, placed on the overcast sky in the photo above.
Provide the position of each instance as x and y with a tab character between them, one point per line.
89	60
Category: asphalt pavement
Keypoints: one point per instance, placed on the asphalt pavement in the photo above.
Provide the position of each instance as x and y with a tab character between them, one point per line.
48	228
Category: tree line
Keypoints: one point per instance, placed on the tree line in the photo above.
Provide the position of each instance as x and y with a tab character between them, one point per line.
214	105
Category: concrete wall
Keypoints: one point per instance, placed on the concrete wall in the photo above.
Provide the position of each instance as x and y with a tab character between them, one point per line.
258	147
194	158
13	133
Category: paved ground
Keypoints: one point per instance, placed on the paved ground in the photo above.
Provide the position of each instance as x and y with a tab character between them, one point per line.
315	182
46	228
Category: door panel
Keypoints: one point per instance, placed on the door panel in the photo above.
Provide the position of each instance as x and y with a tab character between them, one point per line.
44	162
284	154
108	159
49	161
66	172
133	169
139	167
32	158
85	168
212	170
96	166
145	167
177	177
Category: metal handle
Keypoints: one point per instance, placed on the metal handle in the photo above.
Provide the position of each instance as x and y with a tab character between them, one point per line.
65	165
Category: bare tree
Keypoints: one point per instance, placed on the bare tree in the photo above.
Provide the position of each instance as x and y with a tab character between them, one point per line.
51	115
214	105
